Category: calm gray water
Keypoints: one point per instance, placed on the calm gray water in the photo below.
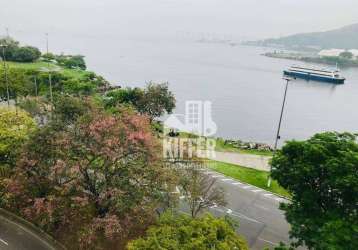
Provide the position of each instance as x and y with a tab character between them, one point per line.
246	89
131	42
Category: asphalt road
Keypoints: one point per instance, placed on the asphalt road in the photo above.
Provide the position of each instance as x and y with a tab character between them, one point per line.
261	221
17	237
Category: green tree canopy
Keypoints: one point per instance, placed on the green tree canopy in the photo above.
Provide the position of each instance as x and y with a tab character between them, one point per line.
15	129
322	175
15	52
157	100
347	55
181	232
19	84
26	54
154	100
126	95
68	61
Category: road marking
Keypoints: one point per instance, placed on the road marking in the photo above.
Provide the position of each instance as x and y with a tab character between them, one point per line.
236	183
1	240
246	187
272	243
268	195
216	176
225	179
256	190
279	199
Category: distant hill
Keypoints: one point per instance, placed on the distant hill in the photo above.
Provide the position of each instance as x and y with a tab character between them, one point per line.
343	38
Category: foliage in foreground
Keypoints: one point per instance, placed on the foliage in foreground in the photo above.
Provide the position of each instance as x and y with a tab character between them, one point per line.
179	232
322	175
15	128
94	181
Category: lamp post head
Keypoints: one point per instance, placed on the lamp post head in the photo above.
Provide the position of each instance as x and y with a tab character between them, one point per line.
287	78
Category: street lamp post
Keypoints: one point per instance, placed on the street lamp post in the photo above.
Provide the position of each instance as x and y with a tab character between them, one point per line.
279	127
49	72
5	74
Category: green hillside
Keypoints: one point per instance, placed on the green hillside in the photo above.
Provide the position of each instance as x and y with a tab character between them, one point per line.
343	38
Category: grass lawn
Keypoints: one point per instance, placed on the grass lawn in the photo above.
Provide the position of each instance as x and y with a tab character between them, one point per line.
251	176
73	73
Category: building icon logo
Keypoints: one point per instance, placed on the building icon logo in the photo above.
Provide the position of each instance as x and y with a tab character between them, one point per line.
197	121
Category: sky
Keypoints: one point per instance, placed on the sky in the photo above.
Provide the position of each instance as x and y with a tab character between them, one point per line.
239	19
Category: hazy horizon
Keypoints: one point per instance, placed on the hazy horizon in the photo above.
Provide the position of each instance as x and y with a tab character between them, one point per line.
160	19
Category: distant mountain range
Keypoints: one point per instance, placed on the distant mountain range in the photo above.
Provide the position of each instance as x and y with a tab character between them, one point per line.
343	38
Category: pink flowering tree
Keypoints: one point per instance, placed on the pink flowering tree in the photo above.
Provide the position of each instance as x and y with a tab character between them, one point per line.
94	183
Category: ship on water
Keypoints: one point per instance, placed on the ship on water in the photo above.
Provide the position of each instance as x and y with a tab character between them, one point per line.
322	75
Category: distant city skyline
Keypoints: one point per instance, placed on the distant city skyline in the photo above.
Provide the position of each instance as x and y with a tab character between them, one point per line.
240	19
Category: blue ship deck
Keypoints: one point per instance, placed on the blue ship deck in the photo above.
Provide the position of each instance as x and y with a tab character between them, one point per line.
314	77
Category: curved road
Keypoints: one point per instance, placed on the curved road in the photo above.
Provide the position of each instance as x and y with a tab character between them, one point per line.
14	236
261	221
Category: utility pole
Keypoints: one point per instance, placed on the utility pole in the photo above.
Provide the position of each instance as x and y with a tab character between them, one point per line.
5	74
49	72
279	127
7	32
35	81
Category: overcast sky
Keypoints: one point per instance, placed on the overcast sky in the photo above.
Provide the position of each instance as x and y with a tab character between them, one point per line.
241	19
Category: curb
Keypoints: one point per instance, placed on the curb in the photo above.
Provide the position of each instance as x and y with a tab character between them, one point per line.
32	228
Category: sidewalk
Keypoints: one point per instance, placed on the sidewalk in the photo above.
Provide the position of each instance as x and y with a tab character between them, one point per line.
258	162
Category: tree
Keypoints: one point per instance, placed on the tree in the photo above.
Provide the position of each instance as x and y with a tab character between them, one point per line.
26	54
347	55
321	174
127	95
94	183
14	52
157	100
180	232
69	61
48	57
75	62
200	191
19	84
10	47
15	129
68	108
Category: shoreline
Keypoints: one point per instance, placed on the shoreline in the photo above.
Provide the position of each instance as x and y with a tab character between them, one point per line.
326	60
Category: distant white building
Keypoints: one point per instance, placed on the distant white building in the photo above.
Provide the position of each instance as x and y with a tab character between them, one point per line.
354	52
336	52
331	52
